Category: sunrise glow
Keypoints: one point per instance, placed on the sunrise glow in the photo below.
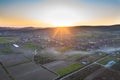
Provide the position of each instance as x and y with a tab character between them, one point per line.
57	13
61	16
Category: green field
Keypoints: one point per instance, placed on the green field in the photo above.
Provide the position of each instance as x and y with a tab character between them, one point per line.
69	69
30	45
4	40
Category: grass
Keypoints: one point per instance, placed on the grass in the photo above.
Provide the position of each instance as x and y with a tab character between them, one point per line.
69	69
31	46
4	40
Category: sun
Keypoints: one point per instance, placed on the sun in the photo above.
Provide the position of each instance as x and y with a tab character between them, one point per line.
60	16
61	22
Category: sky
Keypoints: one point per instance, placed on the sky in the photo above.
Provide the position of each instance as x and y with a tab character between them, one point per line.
53	13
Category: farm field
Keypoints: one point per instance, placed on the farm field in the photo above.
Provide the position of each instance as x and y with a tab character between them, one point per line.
30	46
116	66
68	69
57	65
4	40
106	60
20	66
82	74
44	54
5	49
3	74
13	59
30	71
108	74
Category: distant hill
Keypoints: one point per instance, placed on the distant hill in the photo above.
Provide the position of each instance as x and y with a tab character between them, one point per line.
106	28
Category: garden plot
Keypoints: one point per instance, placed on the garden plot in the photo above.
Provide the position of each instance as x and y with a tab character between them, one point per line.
3	74
13	59
30	71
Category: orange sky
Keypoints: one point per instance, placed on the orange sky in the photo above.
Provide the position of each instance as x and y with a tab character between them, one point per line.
53	13
18	22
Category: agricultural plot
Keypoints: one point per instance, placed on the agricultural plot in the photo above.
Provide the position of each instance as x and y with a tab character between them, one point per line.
69	69
29	56
44	58
77	55
73	62
93	57
4	40
106	60
85	35
30	71
28	53
58	65
94	74
116	66
30	46
13	59
5	49
82	74
74	57
89	58
63	49
3	74
108	74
